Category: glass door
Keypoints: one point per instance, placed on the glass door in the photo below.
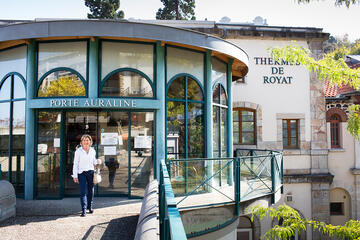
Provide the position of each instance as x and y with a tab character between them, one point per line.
48	155
76	124
114	152
141	163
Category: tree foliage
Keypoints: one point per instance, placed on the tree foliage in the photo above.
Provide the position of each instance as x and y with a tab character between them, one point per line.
104	9
177	10
64	86
347	3
292	222
332	67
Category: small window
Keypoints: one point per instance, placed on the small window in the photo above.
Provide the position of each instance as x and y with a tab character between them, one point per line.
337	208
291	133
244	126
335	131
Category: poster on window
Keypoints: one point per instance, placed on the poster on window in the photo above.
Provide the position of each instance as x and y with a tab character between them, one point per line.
110	150
143	142
109	138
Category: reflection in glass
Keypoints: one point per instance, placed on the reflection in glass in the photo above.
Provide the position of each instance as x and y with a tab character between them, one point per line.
177	89
62	54
216	94
48	155
218	71
142	138
61	84
195	130
18	146
220	136
127	84
4	139
13	60
193	90
5	89
117	55
175	129
216	132
19	89
184	61
222	96
114	152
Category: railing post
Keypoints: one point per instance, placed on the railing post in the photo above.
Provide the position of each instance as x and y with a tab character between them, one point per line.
272	178
0	171
237	185
282	174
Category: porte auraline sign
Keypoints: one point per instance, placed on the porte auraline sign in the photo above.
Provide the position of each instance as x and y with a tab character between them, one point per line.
93	103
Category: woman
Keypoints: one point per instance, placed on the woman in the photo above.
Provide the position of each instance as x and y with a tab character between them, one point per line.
83	172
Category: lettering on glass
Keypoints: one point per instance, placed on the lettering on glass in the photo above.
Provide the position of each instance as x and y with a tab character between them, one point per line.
107	103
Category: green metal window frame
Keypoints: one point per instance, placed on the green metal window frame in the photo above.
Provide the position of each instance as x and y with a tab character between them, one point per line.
185	101
10	77
219	107
62	69
190	50
84	79
119	70
152	83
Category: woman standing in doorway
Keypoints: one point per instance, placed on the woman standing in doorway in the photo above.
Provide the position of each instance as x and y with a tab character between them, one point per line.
83	172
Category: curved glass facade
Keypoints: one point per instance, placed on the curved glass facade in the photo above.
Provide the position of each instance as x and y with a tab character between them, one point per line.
12	131
138	98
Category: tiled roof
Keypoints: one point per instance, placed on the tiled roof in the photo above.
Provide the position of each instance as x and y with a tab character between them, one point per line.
330	89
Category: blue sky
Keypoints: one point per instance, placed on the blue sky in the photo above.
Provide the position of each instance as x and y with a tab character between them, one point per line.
322	14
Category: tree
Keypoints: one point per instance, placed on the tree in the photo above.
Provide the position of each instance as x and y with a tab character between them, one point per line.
292	222
331	67
68	85
347	3
177	9
104	9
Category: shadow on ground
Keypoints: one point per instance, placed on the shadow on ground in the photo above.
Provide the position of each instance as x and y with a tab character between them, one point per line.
121	228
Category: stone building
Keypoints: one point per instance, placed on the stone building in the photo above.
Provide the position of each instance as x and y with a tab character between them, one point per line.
344	159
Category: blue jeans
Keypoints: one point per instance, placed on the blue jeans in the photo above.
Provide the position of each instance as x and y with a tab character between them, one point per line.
86	181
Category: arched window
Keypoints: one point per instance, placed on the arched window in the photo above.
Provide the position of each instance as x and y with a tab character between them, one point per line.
220	133
62	83
185	117
12	130
220	122
127	83
185	130
335	131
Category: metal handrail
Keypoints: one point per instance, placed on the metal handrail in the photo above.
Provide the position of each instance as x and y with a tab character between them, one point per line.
271	164
171	226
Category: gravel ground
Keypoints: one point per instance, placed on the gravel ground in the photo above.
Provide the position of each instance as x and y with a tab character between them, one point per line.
113	218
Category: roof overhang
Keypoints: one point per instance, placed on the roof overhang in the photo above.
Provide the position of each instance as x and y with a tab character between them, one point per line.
62	29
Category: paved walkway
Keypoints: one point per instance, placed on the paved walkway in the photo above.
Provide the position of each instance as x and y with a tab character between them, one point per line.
113	218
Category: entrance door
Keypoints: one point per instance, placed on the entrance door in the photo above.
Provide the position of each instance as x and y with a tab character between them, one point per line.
113	151
123	141
76	124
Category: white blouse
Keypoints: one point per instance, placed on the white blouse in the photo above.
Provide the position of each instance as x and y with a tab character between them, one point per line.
83	161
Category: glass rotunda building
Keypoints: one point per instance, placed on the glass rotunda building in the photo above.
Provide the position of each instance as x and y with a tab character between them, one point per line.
144	92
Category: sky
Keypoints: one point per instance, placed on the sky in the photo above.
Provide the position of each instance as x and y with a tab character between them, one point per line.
337	21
